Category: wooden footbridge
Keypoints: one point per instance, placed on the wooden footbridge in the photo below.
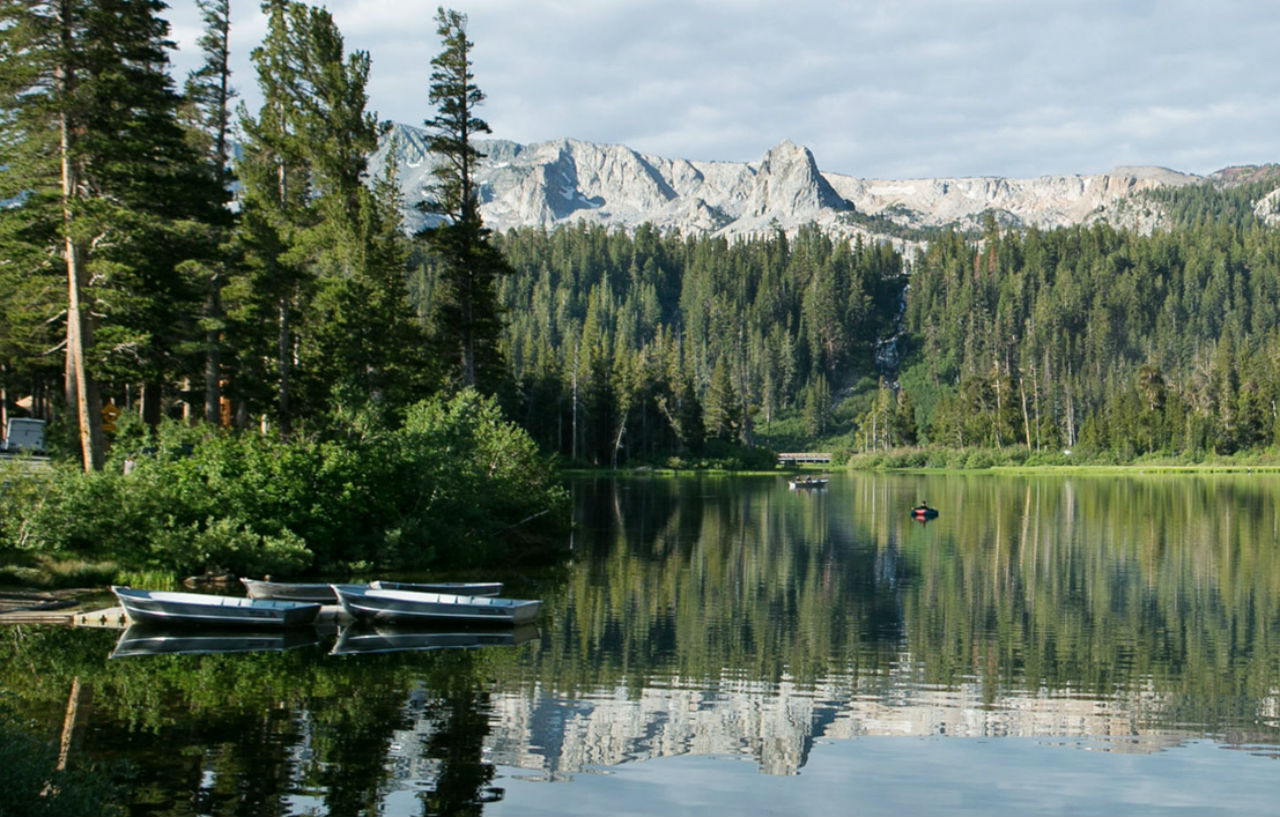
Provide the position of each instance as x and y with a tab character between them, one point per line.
797	458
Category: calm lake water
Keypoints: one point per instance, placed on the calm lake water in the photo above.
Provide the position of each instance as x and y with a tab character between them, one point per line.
1047	645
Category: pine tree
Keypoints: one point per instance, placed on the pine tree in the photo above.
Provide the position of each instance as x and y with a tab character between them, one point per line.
95	158
817	406
365	339
208	95
273	200
327	259
904	421
466	317
722	414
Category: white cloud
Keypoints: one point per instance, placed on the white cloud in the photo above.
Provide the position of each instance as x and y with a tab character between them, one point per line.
875	87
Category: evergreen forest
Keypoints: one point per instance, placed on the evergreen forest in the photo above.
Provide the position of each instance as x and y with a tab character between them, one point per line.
1023	343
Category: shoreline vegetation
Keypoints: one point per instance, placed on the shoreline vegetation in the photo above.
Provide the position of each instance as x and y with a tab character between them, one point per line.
452	486
63	542
943	461
455	488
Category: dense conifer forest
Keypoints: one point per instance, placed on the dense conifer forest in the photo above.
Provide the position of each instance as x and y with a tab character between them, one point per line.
639	347
1105	341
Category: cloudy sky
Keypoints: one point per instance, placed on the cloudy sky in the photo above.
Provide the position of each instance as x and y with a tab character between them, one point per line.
875	88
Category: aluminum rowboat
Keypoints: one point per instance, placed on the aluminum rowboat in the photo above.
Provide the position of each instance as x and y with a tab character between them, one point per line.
452	588
323	593
404	606
165	607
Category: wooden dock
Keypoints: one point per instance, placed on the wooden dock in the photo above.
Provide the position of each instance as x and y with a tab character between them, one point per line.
110	617
114	618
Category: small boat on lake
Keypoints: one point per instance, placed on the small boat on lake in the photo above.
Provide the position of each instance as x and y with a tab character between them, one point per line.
407	606
151	639
808	483
323	593
359	638
186	609
923	512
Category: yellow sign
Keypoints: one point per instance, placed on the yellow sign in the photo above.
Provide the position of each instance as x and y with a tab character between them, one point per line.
109	414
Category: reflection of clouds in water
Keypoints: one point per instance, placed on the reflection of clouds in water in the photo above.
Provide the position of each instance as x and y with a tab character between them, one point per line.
920	776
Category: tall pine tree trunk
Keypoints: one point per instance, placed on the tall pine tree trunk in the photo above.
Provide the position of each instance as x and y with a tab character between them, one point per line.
284	350
82	392
219	53
149	401
213	359
1026	418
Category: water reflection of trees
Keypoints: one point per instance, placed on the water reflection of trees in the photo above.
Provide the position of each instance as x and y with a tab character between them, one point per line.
690	577
1105	586
259	734
1097	585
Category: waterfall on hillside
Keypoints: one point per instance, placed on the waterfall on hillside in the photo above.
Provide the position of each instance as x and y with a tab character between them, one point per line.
888	349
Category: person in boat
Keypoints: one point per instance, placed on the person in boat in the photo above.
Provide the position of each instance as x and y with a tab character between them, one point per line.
922	508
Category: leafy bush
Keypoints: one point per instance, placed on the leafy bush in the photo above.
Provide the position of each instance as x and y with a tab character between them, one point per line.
979	459
22	486
440	489
718	454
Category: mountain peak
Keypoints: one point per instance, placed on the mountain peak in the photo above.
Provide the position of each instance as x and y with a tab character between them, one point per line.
565	181
789	184
786	146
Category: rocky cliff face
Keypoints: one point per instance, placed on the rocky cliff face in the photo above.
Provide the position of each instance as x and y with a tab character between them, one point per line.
567	181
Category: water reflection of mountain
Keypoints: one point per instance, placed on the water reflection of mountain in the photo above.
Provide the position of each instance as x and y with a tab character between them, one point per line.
777	726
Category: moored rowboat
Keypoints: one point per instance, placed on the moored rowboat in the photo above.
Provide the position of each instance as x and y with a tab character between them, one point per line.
454	588
165	607
406	606
323	593
290	591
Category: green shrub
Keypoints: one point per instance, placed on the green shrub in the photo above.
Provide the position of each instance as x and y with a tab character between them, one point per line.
978	459
441	489
727	456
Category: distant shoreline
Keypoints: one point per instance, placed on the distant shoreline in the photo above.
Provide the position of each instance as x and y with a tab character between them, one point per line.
1082	470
